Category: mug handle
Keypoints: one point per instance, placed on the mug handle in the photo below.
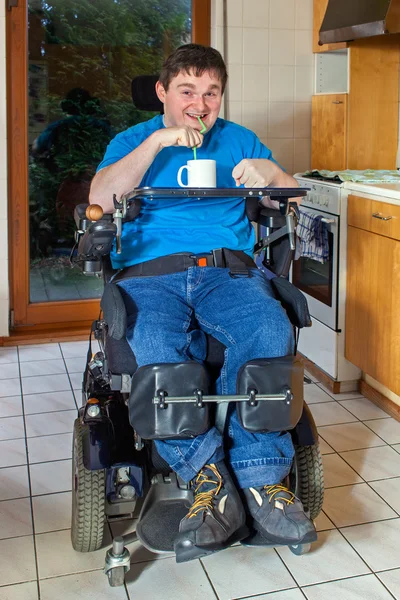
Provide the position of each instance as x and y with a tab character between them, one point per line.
179	176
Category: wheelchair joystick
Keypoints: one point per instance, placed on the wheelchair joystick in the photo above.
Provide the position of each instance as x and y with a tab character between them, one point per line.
94	212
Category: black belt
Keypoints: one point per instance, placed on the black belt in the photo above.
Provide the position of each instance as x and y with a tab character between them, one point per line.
236	261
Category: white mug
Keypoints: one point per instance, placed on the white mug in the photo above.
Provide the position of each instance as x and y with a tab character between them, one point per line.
201	173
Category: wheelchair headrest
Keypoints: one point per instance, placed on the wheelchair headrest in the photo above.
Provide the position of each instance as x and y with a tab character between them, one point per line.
144	95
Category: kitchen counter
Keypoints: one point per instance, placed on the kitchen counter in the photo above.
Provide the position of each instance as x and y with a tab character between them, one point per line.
384	191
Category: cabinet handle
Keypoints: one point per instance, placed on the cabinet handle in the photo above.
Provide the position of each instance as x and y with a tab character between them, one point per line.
381	217
337	102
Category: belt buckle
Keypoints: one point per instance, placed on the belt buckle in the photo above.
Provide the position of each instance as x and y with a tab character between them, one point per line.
204	260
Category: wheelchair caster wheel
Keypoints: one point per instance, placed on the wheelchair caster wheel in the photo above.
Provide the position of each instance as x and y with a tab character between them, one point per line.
116	576
117	563
300	549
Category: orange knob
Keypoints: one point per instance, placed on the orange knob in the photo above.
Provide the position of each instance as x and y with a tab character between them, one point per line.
94	212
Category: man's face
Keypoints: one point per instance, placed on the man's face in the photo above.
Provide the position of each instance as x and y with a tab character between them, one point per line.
189	97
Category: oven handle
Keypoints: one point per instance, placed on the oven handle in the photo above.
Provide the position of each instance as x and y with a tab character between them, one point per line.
323	220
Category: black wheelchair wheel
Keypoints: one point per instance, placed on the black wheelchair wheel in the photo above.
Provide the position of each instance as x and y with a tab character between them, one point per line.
307	478
88	499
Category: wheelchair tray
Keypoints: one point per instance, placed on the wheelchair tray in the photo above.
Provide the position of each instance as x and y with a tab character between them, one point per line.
189	192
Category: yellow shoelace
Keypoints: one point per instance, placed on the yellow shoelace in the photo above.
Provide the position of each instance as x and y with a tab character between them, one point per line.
204	500
273	492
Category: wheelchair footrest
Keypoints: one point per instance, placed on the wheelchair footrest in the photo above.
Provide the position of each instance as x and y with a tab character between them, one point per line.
164	507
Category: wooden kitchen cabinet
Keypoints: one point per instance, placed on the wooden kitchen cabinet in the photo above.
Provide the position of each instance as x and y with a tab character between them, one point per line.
319	8
373	290
329	115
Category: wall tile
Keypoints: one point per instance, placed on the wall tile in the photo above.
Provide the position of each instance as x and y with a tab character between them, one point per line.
302	155
4	315
255	46
281	14
2	9
217	13
217	39
2	36
281	47
303	48
3	156
281	84
254	117
3	280
304	14
3	240
256	13
3	198
282	150
235	45
235	82
281	120
304	85
234	13
255	83
302	120
235	112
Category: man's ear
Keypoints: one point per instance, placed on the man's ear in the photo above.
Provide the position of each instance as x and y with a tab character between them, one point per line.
160	91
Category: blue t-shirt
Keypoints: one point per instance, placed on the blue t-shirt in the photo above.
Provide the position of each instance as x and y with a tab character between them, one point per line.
167	226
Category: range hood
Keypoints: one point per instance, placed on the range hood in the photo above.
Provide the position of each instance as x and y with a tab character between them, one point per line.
347	20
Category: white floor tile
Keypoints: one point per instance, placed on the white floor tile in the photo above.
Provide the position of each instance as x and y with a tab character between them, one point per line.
78	349
11	428
331	557
374	463
83	586
8	355
392	581
14	483
11	406
367	587
322	523
12	453
177	581
138	552
45	383
49	402
387	429
342	396
294	594
52	512
20	591
355	504
324	447
42	367
9	371
50	424
330	413
57	557
15	518
313	394
364	409
350	436
389	489
49	447
39	352
337	472
75	365
377	543
241	571
10	387
76	380
47	478
17	559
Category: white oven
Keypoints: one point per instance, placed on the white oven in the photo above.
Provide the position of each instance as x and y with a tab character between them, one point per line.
324	285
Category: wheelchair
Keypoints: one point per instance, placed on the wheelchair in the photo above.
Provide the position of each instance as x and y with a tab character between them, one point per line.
117	472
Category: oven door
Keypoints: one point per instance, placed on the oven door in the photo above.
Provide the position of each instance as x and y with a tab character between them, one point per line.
319	282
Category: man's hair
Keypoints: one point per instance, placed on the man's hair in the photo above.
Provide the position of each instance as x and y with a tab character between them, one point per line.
196	59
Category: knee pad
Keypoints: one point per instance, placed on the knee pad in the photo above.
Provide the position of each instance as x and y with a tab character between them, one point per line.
164	420
283	375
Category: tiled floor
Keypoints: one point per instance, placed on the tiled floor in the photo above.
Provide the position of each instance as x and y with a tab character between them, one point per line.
357	555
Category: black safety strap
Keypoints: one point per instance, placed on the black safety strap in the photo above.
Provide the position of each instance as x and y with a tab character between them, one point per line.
221	413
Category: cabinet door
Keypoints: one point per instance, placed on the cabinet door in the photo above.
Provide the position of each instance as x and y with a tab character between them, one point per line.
329	132
372	304
319	13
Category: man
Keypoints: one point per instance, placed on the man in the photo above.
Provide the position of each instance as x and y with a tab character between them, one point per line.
240	311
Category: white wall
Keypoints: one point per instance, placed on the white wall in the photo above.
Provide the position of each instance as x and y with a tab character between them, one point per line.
4	294
270	67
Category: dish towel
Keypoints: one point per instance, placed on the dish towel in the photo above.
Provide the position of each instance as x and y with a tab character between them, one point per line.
313	235
366	176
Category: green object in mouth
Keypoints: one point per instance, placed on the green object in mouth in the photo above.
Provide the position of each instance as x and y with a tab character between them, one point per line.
204	129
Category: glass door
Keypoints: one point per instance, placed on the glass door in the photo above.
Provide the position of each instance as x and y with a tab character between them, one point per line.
81	58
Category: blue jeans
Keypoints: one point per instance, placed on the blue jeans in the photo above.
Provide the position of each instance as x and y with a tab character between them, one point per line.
168	317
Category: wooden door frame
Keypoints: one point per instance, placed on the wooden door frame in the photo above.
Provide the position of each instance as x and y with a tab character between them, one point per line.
35	316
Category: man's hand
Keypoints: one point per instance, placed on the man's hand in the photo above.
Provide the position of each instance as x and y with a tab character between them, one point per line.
261	172
179	136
